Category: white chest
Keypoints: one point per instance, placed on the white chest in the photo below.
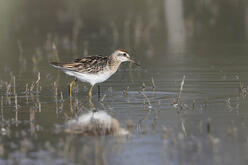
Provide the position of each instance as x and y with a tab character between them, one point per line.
92	78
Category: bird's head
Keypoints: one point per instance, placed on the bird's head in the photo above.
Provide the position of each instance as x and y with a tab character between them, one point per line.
121	56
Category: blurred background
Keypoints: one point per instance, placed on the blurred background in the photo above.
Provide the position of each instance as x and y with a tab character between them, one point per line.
146	28
186	105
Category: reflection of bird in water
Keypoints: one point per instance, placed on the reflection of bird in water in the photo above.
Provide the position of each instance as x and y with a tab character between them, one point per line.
95	123
94	69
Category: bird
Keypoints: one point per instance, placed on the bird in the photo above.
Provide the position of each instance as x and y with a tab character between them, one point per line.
94	69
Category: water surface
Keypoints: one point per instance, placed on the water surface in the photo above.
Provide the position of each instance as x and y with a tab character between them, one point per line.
207	126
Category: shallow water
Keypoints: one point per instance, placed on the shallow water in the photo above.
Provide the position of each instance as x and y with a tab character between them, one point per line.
207	126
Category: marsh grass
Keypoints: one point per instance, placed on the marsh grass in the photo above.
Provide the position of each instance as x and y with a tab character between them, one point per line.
177	102
35	84
243	89
153	83
125	91
103	97
231	107
146	101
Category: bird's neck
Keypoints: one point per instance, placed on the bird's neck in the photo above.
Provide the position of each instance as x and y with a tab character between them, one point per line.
114	64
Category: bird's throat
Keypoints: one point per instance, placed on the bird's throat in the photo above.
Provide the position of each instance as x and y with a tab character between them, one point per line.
114	64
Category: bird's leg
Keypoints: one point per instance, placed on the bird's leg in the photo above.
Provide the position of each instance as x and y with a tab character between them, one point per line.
99	92
90	97
90	92
70	86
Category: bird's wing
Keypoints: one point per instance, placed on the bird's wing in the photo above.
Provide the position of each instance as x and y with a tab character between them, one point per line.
91	64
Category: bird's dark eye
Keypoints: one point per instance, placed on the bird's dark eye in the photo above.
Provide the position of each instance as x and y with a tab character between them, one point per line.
124	54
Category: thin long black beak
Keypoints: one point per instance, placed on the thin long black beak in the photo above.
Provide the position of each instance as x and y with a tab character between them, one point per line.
134	62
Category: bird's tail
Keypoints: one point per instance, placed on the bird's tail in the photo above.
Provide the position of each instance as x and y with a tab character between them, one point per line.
56	64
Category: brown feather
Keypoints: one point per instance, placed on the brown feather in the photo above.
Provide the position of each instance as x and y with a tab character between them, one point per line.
123	51
91	64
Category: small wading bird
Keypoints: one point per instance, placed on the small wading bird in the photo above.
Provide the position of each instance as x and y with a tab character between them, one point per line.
93	69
